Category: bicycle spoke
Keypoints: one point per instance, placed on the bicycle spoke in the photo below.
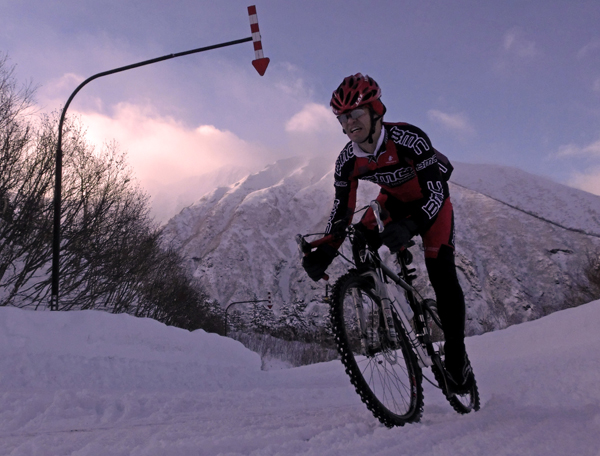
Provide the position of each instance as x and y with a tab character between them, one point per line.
388	379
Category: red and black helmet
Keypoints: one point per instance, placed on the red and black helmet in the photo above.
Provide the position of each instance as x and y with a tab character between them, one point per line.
355	91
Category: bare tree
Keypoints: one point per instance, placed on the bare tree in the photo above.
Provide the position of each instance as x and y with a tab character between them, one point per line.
111	252
23	186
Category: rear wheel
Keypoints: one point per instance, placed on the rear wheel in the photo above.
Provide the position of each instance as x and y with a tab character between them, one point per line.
384	372
467	402
461	403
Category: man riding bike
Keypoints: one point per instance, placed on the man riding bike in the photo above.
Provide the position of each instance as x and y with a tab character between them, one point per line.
415	199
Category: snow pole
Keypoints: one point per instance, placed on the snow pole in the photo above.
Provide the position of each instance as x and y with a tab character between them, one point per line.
260	62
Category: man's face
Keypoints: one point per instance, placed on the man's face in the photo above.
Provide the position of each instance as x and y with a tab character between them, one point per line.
356	124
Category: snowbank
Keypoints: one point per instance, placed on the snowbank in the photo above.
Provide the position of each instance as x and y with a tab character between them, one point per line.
91	383
91	349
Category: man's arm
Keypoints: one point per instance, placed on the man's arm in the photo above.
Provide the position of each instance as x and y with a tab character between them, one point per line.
434	190
345	191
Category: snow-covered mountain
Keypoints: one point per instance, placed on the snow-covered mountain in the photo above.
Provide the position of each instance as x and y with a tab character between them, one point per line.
169	199
523	242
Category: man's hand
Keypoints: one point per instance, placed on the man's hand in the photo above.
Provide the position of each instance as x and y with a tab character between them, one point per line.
316	262
397	234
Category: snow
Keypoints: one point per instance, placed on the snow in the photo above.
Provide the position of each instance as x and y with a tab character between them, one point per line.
566	206
93	383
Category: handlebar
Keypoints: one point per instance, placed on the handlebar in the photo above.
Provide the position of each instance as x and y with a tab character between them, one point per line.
307	247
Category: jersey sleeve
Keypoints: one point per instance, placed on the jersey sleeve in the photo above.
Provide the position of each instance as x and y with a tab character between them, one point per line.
345	185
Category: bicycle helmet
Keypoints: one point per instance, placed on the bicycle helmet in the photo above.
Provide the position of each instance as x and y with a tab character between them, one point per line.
355	91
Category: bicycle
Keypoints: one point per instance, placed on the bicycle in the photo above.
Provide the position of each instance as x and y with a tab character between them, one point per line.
386	333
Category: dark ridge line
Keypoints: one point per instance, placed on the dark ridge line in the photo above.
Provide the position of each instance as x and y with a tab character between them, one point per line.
575	230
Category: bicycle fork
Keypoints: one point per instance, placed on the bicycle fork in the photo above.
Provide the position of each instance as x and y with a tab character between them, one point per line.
386	304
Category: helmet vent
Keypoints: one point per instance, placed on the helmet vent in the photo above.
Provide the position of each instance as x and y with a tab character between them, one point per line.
354	91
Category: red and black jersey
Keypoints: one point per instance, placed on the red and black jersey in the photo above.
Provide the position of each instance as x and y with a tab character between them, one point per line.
405	166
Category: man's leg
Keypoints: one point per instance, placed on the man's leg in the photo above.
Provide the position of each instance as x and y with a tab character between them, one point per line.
441	268
451	309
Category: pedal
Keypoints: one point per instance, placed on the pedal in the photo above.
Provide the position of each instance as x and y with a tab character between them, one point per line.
407	256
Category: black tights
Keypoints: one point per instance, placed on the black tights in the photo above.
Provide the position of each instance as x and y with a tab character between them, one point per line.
448	293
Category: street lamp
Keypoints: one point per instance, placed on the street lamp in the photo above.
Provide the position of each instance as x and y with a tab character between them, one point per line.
260	63
268	300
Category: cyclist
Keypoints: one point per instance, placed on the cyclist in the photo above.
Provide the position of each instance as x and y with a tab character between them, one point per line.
414	196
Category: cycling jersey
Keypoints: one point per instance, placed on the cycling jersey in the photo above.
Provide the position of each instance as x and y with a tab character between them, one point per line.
406	167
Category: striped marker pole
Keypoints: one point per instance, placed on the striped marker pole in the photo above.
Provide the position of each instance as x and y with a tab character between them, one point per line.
261	62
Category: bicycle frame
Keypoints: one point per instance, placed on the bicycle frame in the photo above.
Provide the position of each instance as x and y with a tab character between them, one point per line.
378	274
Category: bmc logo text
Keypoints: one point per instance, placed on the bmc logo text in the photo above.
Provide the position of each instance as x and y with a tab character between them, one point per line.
433	205
392	179
409	139
344	156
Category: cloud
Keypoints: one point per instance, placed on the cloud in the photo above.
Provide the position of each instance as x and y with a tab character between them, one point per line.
313	117
570	150
456	123
588	181
56	88
515	44
515	50
315	130
590	48
166	155
162	150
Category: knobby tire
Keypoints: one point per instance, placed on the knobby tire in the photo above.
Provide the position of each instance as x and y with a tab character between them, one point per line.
387	379
461	403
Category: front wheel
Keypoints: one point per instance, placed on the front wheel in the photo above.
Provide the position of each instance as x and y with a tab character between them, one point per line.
384	372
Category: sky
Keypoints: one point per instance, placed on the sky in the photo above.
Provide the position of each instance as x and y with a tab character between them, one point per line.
514	83
93	383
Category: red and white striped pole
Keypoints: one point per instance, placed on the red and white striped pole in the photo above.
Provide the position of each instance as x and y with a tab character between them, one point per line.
261	62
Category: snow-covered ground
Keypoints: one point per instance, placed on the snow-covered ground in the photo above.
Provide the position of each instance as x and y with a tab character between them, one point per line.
91	383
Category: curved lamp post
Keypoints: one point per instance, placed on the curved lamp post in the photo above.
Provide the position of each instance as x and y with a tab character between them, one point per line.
260	63
246	302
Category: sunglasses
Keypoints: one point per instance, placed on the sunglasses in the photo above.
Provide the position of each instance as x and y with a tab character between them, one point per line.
354	114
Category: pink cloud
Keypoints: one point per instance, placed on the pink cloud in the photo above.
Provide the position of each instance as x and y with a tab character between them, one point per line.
162	150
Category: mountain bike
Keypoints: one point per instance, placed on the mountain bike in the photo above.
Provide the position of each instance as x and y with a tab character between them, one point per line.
386	333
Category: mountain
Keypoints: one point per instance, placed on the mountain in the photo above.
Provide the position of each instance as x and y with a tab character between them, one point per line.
169	199
523	242
565	206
